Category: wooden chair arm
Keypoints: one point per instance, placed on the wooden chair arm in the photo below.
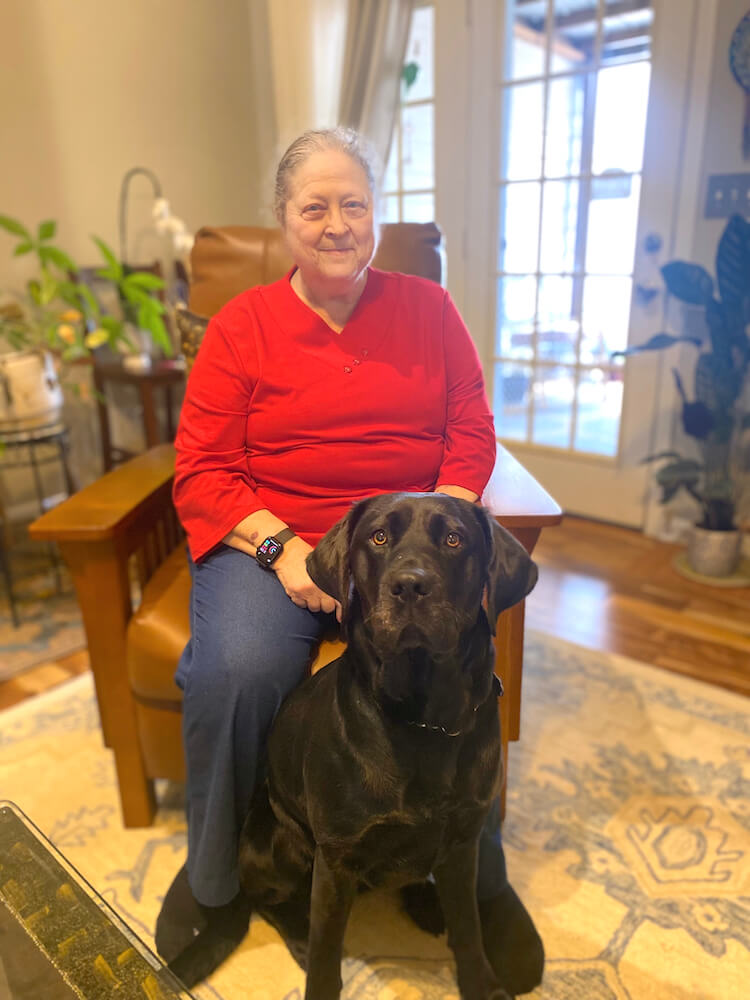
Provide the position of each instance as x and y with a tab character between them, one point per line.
518	501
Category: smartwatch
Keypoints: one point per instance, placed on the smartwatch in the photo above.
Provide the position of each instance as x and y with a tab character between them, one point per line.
271	548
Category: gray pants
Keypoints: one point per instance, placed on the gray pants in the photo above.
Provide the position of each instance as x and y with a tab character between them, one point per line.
249	647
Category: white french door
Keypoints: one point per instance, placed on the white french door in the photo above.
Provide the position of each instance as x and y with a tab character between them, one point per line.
572	126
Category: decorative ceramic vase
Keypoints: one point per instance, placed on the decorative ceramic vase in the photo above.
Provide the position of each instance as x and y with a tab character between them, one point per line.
713	553
30	392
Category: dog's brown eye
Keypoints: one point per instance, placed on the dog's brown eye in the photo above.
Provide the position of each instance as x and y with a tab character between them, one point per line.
453	539
379	537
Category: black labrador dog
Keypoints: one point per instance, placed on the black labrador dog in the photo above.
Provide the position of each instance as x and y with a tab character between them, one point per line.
383	765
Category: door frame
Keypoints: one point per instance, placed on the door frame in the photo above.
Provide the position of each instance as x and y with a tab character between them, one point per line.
466	45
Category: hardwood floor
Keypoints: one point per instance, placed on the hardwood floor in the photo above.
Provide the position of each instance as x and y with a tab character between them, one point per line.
612	589
601	586
42	677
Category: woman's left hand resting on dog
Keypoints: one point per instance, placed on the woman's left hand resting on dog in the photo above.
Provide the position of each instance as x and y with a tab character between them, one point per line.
290	567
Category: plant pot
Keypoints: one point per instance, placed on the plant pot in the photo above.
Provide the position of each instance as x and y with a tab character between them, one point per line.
30	392
713	553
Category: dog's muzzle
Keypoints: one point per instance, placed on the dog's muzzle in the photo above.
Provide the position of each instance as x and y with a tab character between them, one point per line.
411	585
413	611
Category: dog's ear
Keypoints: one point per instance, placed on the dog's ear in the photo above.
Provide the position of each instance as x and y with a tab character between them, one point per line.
511	573
328	564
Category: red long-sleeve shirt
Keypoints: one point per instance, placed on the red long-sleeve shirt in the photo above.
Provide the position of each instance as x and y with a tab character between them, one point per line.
283	413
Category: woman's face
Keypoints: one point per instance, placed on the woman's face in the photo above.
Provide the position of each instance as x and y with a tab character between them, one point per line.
328	223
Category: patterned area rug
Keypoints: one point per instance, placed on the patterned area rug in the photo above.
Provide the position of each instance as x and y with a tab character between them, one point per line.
49	620
628	835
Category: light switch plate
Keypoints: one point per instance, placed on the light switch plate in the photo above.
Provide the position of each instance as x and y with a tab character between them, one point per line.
727	194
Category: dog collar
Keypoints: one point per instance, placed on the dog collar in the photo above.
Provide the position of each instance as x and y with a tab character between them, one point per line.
498	691
435	729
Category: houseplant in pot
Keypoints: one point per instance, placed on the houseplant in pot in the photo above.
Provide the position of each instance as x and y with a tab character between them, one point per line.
715	409
56	323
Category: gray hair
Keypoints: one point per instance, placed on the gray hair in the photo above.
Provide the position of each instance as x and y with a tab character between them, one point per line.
341	138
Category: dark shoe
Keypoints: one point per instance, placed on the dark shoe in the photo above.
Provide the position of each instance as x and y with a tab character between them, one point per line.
511	942
180	919
194	939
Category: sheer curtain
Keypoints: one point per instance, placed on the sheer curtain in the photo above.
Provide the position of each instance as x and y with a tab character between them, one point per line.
317	63
376	37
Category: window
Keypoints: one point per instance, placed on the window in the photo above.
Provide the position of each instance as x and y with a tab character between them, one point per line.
409	183
572	99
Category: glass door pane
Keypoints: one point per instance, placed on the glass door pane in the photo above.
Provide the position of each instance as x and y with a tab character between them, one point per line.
408	192
572	99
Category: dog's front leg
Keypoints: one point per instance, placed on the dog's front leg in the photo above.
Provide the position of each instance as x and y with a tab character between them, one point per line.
331	901
456	882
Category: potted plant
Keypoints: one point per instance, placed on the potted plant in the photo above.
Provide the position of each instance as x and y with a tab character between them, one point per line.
715	411
57	323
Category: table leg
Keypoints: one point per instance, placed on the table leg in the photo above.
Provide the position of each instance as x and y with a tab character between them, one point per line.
40	497
103	414
150	423
509	663
5	569
64	447
168	399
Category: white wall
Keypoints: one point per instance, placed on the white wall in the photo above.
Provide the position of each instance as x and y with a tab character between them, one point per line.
90	88
205	93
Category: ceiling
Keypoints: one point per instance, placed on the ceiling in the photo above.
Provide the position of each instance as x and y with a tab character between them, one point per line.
627	25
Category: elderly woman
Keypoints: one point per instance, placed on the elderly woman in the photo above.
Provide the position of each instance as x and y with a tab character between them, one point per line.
333	384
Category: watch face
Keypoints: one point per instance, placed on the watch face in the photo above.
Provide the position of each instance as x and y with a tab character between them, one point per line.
268	550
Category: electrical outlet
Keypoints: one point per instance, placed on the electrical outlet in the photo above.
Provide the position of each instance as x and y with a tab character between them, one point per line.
727	194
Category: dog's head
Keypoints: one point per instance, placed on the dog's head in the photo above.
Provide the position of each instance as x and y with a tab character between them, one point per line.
415	566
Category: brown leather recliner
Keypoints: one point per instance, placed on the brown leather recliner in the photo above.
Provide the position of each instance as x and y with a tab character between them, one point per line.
124	526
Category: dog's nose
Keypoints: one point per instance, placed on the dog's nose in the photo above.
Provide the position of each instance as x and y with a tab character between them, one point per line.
411	584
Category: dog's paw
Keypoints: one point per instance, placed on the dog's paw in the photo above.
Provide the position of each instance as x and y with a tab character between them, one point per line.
422	903
481	986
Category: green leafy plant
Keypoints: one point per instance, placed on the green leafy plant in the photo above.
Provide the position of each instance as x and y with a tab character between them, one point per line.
409	74
716	414
60	313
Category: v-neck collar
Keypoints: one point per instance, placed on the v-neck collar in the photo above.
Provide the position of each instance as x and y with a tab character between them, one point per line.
308	315
290	280
359	337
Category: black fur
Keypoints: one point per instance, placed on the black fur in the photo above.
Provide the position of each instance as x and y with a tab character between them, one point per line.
383	765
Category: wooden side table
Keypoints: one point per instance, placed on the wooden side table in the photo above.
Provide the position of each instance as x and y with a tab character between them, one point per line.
161	375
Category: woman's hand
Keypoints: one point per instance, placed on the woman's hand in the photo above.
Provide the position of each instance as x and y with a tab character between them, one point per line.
292	572
457	491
